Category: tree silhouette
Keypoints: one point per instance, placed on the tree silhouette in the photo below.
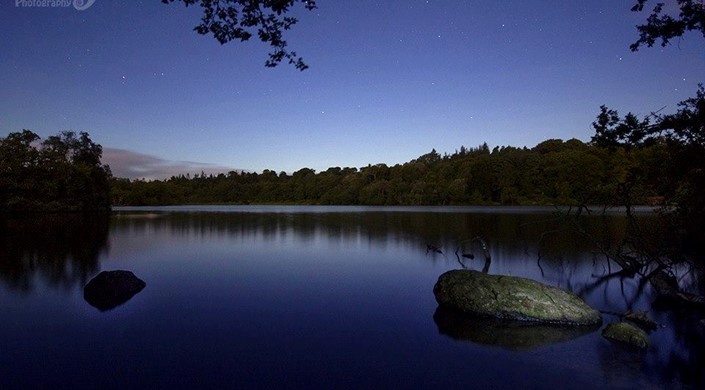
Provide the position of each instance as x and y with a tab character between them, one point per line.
665	27
681	134
63	172
229	20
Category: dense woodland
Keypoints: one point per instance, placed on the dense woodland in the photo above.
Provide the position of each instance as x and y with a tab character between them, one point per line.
552	172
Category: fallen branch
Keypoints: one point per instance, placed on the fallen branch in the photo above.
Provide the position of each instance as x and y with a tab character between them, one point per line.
485	250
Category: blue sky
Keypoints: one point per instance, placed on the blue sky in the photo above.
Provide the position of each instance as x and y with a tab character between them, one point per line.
388	80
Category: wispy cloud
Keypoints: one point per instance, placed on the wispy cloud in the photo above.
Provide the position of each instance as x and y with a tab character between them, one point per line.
133	165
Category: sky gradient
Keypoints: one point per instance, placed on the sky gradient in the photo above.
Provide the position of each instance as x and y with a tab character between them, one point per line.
388	80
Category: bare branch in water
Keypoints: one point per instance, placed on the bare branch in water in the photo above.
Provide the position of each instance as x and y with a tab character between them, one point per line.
485	250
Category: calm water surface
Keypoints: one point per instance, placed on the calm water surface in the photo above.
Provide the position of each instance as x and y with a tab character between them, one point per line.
314	297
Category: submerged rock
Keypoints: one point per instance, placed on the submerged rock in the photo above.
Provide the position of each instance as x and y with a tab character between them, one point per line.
664	284
511	335
641	319
668	294
513	298
626	333
112	288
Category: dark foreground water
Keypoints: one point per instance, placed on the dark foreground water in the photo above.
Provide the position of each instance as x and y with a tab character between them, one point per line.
306	297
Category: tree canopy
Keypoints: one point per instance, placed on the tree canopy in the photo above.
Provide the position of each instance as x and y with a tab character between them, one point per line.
552	172
63	172
681	134
229	20
686	126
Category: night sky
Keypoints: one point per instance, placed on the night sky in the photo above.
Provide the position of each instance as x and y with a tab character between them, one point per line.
388	80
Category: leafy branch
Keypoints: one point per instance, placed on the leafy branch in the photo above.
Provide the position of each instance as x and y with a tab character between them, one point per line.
229	20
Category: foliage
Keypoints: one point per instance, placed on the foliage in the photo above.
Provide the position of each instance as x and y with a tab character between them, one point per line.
686	126
665	27
229	20
676	145
553	172
681	164
63	172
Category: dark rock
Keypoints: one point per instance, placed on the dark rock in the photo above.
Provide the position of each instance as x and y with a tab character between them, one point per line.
625	332
511	335
112	288
664	284
507	297
669	294
691	300
641	319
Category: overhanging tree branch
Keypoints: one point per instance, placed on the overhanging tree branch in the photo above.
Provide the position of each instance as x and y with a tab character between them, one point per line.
229	20
665	27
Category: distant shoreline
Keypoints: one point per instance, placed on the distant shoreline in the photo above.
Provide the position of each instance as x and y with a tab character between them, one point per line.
517	209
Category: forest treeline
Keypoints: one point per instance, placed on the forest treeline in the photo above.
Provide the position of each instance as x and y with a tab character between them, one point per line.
552	172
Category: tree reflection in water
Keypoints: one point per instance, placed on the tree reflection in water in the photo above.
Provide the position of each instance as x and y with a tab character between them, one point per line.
60	250
63	251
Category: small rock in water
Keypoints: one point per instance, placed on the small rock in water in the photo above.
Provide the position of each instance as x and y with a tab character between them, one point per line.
625	332
110	289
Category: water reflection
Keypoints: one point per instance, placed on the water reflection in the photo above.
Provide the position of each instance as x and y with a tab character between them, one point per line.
685	356
511	335
63	250
536	240
331	289
60	251
507	234
536	245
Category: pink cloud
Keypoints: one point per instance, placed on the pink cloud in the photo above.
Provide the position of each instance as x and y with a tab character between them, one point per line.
133	165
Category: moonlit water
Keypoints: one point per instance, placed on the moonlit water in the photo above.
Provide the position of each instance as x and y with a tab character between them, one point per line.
303	297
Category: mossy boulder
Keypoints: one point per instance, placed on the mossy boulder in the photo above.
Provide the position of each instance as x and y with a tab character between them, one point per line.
625	332
511	298
110	289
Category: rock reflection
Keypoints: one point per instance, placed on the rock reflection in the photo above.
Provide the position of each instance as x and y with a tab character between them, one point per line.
511	335
62	250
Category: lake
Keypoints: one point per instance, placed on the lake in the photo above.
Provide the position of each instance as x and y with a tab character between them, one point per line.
317	297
